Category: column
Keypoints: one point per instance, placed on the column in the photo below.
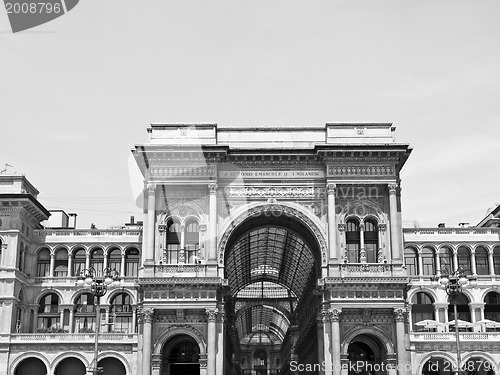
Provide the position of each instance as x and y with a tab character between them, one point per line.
61	318
342	248
211	338
220	342
147	314
399	317
438	264
394	223
491	262
420	263
473	262
455	260
71	318
122	266
335	318
150	231
70	264
105	260
362	252
332	227
134	320
212	222
52	264
87	259
382	256
321	344
327	338
182	252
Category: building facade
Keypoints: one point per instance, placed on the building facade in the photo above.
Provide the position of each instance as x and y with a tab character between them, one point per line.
261	251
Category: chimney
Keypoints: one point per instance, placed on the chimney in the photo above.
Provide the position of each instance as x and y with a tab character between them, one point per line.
132	220
441	225
463	225
72	223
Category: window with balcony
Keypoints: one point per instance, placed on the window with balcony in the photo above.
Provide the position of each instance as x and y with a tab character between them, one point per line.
411	261
353	240
132	262
428	261
422	309
482	267
97	260
192	242
463	309
173	242
61	263
463	257
371	241
446	260
492	306
79	259
48	311
84	315
115	260
121	314
496	260
43	263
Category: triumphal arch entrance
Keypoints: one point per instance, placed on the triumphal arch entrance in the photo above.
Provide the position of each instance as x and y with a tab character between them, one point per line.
272	250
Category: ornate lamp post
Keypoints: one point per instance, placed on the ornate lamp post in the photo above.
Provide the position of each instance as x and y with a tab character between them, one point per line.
453	284
98	285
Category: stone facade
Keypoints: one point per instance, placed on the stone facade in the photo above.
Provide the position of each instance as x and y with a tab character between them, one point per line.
262	251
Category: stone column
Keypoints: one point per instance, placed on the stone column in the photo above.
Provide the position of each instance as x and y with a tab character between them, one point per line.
105	260
70	264
491	262
336	362
150	231
212	224
122	266
403	363
220	342
326	338
321	344
394	223
342	247
332	227
362	251
211	338
182	253
52	264
156	364
71	318
87	259
455	260
473	262
420	263
382	255
147	315
438	264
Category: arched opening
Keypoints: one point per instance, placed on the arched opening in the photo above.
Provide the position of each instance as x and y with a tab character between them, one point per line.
446	260
48	313
71	366
121	314
173	246
463	310
422	309
428	262
61	263
180	356
43	263
97	260
463	257
353	240
111	366
482	267
84	313
367	356
371	241
496	260
115	260
492	308
31	366
437	366
272	263
478	366
411	261
79	260
132	262
191	246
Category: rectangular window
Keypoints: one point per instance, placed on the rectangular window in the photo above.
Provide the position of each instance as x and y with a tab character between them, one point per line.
353	252
371	252
173	253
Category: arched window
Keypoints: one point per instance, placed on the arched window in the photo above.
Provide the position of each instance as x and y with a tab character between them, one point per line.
496	260
422	309
97	260
79	259
48	311
353	240
115	260
84	313
492	306
43	263
463	309
463	256
132	262
371	241
411	261
121	313
428	261
61	263
192	242
173	242
446	260
482	267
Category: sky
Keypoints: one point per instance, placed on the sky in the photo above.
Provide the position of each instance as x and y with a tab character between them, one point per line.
77	93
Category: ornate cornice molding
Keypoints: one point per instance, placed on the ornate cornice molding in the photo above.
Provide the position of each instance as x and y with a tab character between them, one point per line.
278	192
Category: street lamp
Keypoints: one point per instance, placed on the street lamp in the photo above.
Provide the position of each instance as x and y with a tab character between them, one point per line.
453	284
98	285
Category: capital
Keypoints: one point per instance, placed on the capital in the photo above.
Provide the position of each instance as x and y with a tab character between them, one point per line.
399	314
342	227
335	314
392	188
151	188
147	314
331	188
212	314
382	227
212	187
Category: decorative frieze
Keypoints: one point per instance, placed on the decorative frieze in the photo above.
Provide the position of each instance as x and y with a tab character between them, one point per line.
183	171
278	192
360	171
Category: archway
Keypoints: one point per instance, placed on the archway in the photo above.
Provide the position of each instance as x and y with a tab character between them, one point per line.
111	366
272	261
31	366
180	356
70	366
367	356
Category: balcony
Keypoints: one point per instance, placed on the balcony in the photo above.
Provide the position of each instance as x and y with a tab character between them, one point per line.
450	336
119	338
451	234
370	270
88	235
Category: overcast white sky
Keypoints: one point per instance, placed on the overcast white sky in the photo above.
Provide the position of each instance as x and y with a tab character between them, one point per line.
77	93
